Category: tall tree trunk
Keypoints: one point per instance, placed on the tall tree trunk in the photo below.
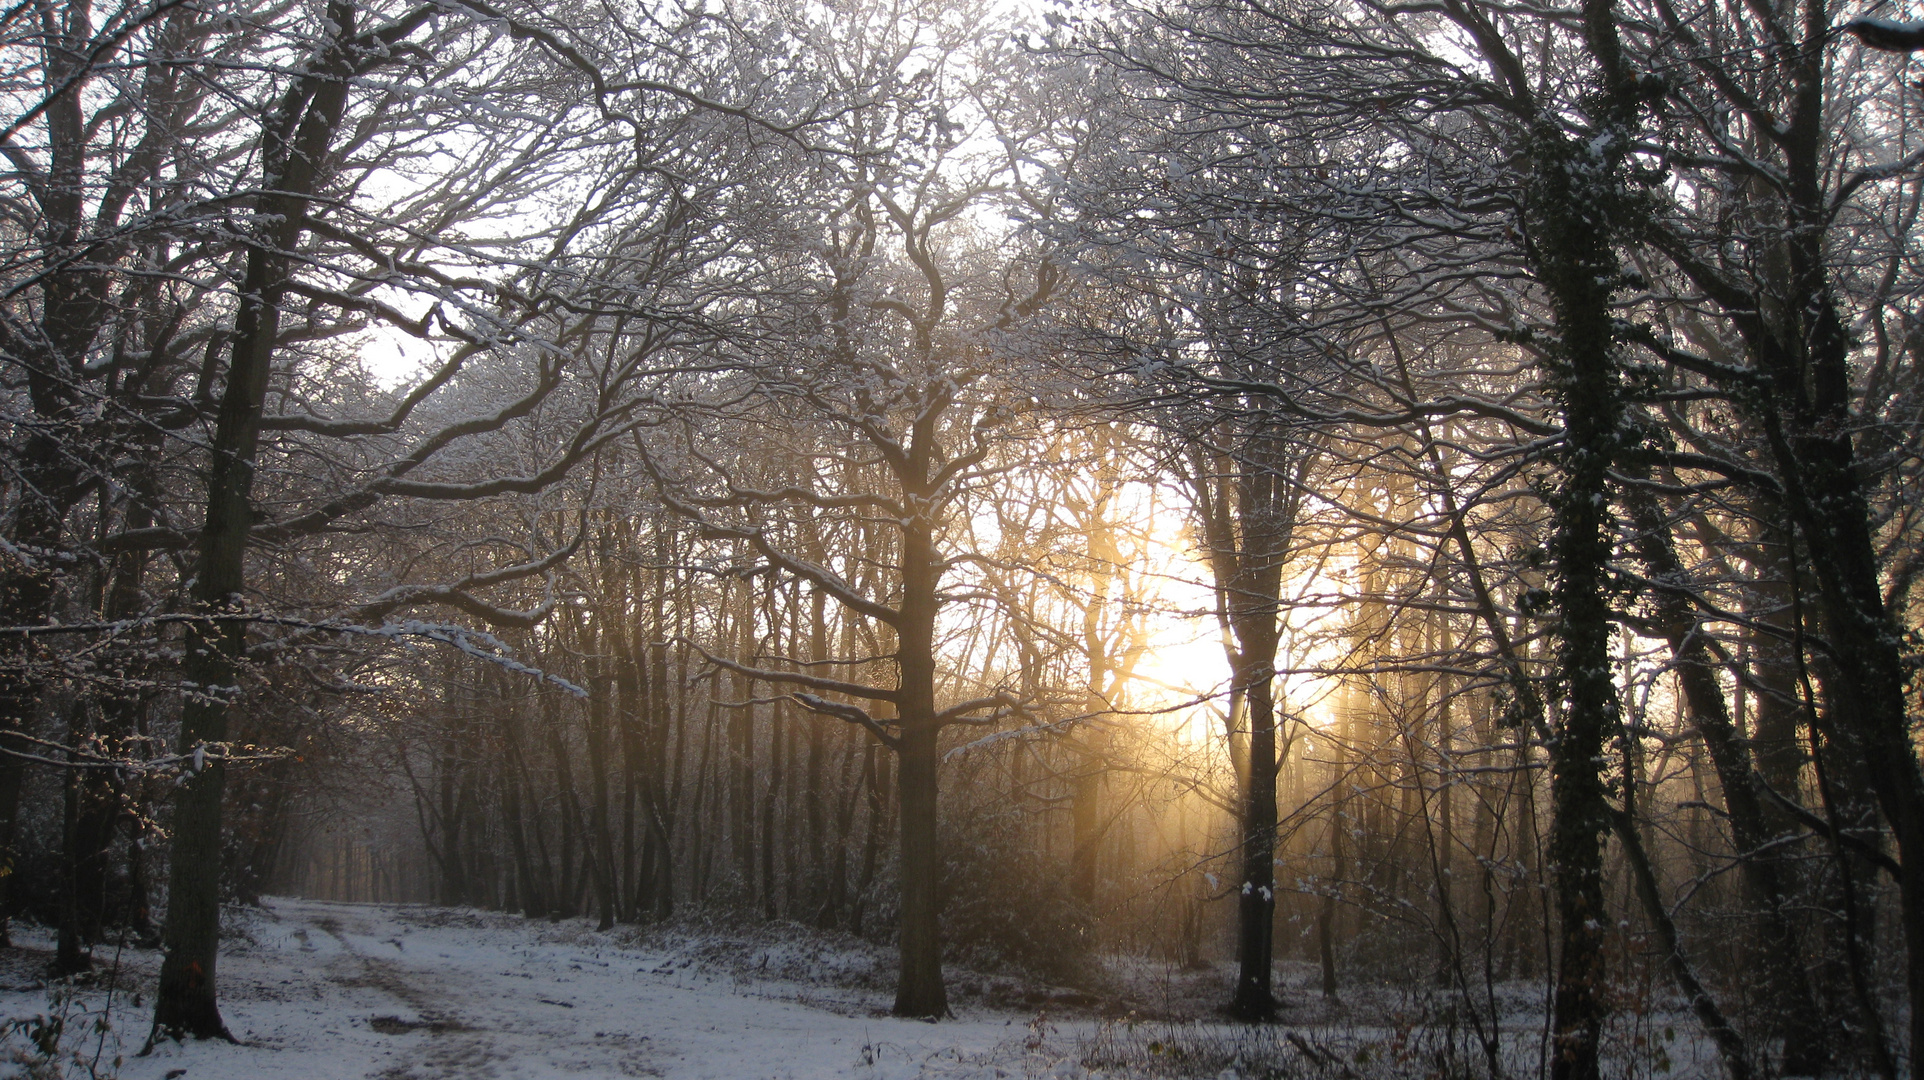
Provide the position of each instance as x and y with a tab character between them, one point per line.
565	895
741	751
771	799
701	836
1338	832
814	797
26	599
1767	879
1246	503
1869	717
875	783
106	797
294	150
1572	221
523	811
1576	262
1256	904
631	711
598	762
70	955
664	792
1106	671
56	465
835	900
919	990
448	775
524	887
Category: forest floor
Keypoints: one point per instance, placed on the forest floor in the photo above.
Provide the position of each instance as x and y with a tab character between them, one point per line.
317	991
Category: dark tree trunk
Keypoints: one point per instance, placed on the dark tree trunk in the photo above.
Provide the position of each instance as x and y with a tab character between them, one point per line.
701	840
919	991
1766	877
26	599
741	752
1574	218
1256	904
453	830
1326	911
598	762
54	468
522	810
664	788
104	798
565	894
525	891
1085	794
70	952
294	149
631	711
1573	248
1338	833
1869	718
1246	503
835	898
771	799
875	767
814	798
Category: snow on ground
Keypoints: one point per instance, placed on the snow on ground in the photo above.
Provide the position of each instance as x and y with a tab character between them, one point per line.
319	990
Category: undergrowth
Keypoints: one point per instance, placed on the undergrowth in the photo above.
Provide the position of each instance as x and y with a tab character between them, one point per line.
75	1037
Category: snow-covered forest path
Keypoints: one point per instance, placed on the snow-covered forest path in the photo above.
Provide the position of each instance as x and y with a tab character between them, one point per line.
319	990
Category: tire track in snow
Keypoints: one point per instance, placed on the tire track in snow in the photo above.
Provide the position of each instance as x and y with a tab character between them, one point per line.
453	1047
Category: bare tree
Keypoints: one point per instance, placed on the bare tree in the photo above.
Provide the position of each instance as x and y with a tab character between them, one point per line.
883	396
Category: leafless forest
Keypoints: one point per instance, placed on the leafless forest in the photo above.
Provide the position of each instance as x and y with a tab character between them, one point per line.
1427	492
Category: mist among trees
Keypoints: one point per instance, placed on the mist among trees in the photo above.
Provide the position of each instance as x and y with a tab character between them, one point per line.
1333	501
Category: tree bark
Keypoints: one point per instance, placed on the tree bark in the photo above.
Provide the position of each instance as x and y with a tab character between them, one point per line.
919	991
1246	502
565	894
602	688
1572	243
1256	904
1766	878
1869	718
294	150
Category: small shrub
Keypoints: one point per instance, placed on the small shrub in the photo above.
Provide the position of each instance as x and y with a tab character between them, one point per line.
1180	1051
1007	909
1183	1051
73	1038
